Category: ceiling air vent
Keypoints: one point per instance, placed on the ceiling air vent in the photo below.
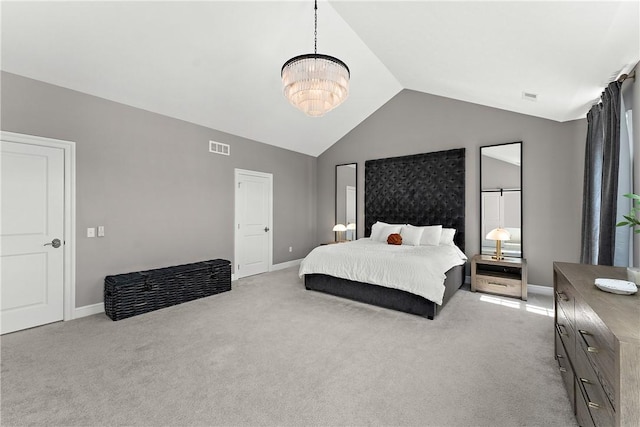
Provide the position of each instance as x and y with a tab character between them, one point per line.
219	148
530	96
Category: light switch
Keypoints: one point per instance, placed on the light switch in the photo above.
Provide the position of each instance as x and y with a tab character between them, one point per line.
101	231
91	232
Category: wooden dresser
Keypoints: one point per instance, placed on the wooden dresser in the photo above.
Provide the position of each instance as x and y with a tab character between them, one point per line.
597	345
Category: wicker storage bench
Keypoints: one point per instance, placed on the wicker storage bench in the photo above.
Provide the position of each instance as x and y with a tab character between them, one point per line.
130	294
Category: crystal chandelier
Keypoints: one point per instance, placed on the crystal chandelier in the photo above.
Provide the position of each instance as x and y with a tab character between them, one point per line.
315	83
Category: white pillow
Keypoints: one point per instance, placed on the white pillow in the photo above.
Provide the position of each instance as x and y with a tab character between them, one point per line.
431	235
446	238
381	232
411	235
376	229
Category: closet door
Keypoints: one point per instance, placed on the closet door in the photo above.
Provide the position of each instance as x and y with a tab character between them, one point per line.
511	209
491	216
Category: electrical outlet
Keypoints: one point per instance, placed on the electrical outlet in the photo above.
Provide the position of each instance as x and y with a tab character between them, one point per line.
101	231
91	232
290	248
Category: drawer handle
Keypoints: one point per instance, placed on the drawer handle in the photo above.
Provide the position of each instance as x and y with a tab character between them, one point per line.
561	296
585	381
497	284
589	348
559	356
562	330
563	369
593	405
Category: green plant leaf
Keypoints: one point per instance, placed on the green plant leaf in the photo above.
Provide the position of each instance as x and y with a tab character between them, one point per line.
632	219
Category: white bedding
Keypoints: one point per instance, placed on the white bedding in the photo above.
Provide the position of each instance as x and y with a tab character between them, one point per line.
416	269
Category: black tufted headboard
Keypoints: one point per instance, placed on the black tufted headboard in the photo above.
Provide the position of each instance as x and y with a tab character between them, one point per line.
421	189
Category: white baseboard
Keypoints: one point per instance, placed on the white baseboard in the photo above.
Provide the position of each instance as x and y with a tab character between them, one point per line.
283	265
88	310
539	289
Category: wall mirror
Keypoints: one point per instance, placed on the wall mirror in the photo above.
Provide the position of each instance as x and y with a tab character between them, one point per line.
346	185
501	197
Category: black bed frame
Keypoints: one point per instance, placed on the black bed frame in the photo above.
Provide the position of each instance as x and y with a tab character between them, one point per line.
420	189
394	299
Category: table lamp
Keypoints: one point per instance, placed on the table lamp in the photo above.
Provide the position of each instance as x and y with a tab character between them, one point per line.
340	229
498	234
352	226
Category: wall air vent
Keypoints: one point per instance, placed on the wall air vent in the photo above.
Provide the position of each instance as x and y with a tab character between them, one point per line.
219	148
530	96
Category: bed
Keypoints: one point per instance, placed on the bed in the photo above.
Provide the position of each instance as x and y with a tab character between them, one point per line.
421	189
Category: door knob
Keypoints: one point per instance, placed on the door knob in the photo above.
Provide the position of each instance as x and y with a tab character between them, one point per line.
55	243
266	229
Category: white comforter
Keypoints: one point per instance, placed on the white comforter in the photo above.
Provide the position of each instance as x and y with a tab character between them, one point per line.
416	269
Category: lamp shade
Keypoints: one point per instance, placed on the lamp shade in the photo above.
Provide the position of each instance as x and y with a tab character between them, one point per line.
339	227
351	226
498	234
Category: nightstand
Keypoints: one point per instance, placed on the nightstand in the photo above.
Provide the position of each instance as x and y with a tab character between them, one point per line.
506	277
333	243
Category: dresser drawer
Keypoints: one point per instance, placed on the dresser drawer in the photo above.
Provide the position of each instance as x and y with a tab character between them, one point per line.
564	366
596	342
499	285
566	332
565	296
591	389
582	410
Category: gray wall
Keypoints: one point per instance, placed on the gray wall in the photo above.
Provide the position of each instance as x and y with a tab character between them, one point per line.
413	122
498	174
150	180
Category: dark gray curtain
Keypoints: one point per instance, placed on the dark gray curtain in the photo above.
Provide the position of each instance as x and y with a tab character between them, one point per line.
602	158
592	186
610	165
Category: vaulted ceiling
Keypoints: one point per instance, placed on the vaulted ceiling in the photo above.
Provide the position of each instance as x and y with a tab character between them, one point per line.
217	63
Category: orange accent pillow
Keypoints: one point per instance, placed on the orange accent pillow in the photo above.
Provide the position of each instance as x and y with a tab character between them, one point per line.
394	239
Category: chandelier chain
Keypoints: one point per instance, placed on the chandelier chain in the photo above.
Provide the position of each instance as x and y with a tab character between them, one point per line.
315	83
315	26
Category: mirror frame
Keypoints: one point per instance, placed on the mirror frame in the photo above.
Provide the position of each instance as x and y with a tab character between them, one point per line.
521	195
335	196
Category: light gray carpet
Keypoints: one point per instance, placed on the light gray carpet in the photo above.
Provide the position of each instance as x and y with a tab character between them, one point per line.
271	353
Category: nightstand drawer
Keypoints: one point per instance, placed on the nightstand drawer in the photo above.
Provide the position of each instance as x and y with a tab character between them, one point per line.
499	285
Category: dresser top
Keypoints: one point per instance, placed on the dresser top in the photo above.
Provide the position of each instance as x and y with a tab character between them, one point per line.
621	313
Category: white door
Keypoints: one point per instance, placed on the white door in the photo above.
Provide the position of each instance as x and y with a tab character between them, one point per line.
511	209
253	223
350	203
491	217
32	235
